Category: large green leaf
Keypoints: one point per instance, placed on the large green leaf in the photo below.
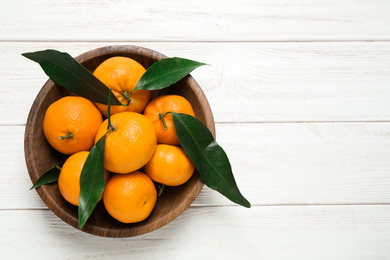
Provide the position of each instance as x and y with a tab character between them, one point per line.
92	181
208	157
49	176
67	72
165	72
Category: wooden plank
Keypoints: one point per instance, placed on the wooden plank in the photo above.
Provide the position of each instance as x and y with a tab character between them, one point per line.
203	20
273	164
246	82
321	232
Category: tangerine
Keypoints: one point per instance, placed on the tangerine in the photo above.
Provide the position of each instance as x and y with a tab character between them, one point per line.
70	124
130	144
131	197
69	179
169	165
158	112
122	74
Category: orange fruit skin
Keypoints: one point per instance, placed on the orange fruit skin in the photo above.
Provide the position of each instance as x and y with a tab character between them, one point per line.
131	145
161	105
69	179
75	115
131	197
169	165
122	74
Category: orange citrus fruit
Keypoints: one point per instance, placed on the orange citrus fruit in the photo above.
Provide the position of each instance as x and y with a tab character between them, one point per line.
130	144
71	123
157	108
121	74
130	197
169	165
69	179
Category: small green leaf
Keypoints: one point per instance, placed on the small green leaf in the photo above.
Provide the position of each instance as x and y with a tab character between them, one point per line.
67	72
49	176
208	157
165	72
92	181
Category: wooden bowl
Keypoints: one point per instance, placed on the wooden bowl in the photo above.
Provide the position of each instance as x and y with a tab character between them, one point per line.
40	156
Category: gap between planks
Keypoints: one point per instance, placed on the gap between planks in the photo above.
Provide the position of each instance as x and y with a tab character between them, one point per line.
252	206
193	41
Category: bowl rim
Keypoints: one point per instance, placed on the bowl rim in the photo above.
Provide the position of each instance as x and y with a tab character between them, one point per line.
127	50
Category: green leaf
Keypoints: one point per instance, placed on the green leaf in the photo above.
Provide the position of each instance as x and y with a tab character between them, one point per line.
49	176
92	181
67	72
165	72
208	157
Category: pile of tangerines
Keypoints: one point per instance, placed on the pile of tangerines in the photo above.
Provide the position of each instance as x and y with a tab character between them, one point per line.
140	150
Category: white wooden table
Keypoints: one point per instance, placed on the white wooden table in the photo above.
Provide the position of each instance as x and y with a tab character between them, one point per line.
300	92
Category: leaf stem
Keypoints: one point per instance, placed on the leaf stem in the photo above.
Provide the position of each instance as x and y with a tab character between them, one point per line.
163	120
67	136
127	96
109	125
109	108
111	129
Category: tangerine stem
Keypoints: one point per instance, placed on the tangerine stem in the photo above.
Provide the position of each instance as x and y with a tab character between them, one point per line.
163	120
160	189
67	136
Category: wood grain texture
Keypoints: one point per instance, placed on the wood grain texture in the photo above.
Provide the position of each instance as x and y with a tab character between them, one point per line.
245	82
228	20
312	82
40	156
308	232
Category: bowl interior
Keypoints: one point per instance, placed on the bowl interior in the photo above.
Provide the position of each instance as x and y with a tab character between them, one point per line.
40	156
